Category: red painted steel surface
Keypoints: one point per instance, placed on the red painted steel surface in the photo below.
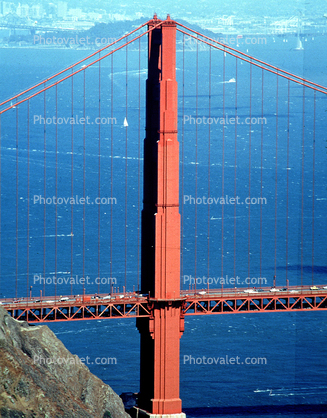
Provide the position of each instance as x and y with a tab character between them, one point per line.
160	334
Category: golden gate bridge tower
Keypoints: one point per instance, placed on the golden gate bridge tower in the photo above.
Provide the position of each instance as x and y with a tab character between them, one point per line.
160	272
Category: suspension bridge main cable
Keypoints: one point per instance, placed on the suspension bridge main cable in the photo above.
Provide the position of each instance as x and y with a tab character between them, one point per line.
252	60
84	67
75	64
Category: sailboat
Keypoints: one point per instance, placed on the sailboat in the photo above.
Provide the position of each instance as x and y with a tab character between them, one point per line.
125	122
299	46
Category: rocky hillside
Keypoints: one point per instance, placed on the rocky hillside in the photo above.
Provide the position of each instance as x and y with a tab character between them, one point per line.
31	388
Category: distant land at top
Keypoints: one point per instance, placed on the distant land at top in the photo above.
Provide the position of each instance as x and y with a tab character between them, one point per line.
203	9
247	16
101	34
85	38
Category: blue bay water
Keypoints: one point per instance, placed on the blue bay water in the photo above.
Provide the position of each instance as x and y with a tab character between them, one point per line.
294	345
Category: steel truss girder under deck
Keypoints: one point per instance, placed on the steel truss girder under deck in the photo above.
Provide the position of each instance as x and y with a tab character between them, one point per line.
132	306
40	312
254	303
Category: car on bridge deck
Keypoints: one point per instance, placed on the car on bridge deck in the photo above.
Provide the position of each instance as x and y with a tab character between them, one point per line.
142	295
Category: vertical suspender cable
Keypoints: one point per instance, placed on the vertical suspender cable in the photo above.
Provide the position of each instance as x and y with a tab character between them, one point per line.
28	198
276	177
139	177
0	208
182	174
223	170
235	167
196	156
112	159
250	138
302	185
313	182
44	187
17	203
72	193
287	172
261	171
99	177
84	177
56	193
126	166
209	162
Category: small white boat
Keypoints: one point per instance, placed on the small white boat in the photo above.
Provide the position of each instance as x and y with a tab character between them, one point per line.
299	46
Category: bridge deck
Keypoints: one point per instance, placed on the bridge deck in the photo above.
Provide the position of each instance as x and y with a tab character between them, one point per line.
133	305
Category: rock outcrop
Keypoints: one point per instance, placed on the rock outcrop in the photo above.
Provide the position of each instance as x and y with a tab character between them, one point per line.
48	388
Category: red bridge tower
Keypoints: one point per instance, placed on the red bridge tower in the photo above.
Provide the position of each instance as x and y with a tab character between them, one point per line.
160	274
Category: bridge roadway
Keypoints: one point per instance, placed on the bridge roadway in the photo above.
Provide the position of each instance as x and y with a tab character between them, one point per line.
192	302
